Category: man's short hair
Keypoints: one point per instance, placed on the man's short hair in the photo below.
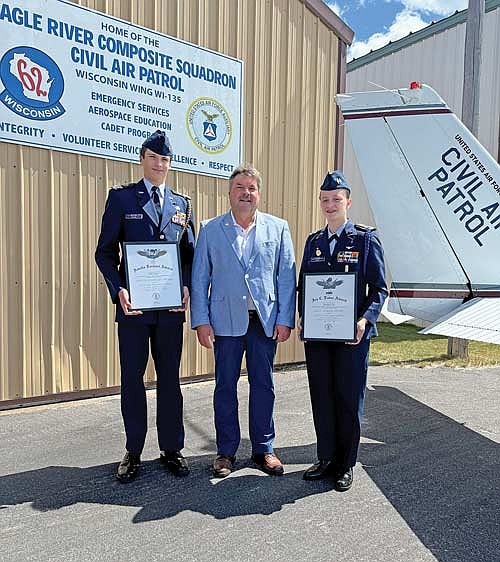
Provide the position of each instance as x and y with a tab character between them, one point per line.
247	170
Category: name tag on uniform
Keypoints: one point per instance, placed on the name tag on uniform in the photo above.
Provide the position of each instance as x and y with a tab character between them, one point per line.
134	215
348	257
179	218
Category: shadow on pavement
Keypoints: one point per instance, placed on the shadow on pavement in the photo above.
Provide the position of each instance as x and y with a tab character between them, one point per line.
159	494
443	478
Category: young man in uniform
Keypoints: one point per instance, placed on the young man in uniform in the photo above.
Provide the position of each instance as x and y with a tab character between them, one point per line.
140	212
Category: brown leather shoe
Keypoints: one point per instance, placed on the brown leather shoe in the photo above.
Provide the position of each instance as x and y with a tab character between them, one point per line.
223	466
269	463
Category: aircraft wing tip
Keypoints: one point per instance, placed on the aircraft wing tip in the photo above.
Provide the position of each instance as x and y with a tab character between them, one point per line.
474	320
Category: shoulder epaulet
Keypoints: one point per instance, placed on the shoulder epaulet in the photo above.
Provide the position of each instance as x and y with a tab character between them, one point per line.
365	228
125	186
180	194
314	234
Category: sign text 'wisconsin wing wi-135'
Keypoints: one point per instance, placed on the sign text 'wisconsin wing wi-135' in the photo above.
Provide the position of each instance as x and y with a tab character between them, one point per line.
78	80
435	195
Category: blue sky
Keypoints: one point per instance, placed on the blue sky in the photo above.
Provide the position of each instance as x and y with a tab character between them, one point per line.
376	22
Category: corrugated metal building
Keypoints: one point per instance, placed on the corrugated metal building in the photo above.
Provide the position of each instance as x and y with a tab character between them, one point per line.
435	56
57	333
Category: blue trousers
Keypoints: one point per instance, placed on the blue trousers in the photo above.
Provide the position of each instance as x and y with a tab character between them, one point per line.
260	351
337	381
165	340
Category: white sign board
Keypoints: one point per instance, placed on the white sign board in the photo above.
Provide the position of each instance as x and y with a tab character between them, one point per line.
76	80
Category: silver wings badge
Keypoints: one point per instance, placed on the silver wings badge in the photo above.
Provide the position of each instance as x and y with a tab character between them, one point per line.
152	253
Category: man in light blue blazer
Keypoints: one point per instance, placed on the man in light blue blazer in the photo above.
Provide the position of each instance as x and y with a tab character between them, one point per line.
243	301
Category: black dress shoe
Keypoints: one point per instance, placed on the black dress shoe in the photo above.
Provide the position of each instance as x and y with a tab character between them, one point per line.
344	480
128	469
175	462
320	470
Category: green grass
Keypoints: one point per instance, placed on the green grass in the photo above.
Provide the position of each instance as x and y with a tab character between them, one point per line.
403	346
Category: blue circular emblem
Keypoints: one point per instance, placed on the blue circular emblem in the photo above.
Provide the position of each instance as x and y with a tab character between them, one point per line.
209	125
33	84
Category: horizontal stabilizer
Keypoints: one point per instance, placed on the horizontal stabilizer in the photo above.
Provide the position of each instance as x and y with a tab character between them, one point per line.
477	320
394	317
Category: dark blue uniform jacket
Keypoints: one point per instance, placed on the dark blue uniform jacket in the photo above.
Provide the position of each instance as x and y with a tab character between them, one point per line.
359	248
130	216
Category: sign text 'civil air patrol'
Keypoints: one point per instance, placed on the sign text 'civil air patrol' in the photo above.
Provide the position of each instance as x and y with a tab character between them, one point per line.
77	80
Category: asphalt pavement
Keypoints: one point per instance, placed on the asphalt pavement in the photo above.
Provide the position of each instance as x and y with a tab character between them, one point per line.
426	487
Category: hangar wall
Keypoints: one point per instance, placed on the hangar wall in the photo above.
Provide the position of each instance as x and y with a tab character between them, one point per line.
57	333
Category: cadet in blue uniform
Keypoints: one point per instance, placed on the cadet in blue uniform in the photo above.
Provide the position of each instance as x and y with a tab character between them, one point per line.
148	211
337	370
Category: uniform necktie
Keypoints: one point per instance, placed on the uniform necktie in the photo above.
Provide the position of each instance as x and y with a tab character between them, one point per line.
330	240
156	201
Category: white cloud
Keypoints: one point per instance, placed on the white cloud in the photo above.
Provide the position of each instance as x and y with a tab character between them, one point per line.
334	6
440	7
404	22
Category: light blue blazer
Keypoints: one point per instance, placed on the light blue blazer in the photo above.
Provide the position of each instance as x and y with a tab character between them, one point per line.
220	280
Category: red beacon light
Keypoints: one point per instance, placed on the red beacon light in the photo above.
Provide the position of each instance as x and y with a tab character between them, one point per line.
415	85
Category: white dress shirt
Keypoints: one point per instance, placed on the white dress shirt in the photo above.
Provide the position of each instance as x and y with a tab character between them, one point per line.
244	246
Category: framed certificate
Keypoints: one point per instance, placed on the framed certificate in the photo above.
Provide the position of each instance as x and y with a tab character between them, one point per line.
329	306
153	271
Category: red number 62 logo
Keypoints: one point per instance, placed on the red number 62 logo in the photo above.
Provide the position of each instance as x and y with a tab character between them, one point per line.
31	77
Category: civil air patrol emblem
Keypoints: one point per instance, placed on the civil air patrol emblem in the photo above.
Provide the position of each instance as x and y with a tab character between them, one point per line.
209	125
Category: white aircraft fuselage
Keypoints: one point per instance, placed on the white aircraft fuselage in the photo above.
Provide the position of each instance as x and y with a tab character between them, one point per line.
435	195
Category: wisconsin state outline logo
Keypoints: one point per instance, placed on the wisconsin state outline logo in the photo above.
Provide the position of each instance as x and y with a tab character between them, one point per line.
33	83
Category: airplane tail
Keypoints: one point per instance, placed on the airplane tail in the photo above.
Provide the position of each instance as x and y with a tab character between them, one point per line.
435	194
